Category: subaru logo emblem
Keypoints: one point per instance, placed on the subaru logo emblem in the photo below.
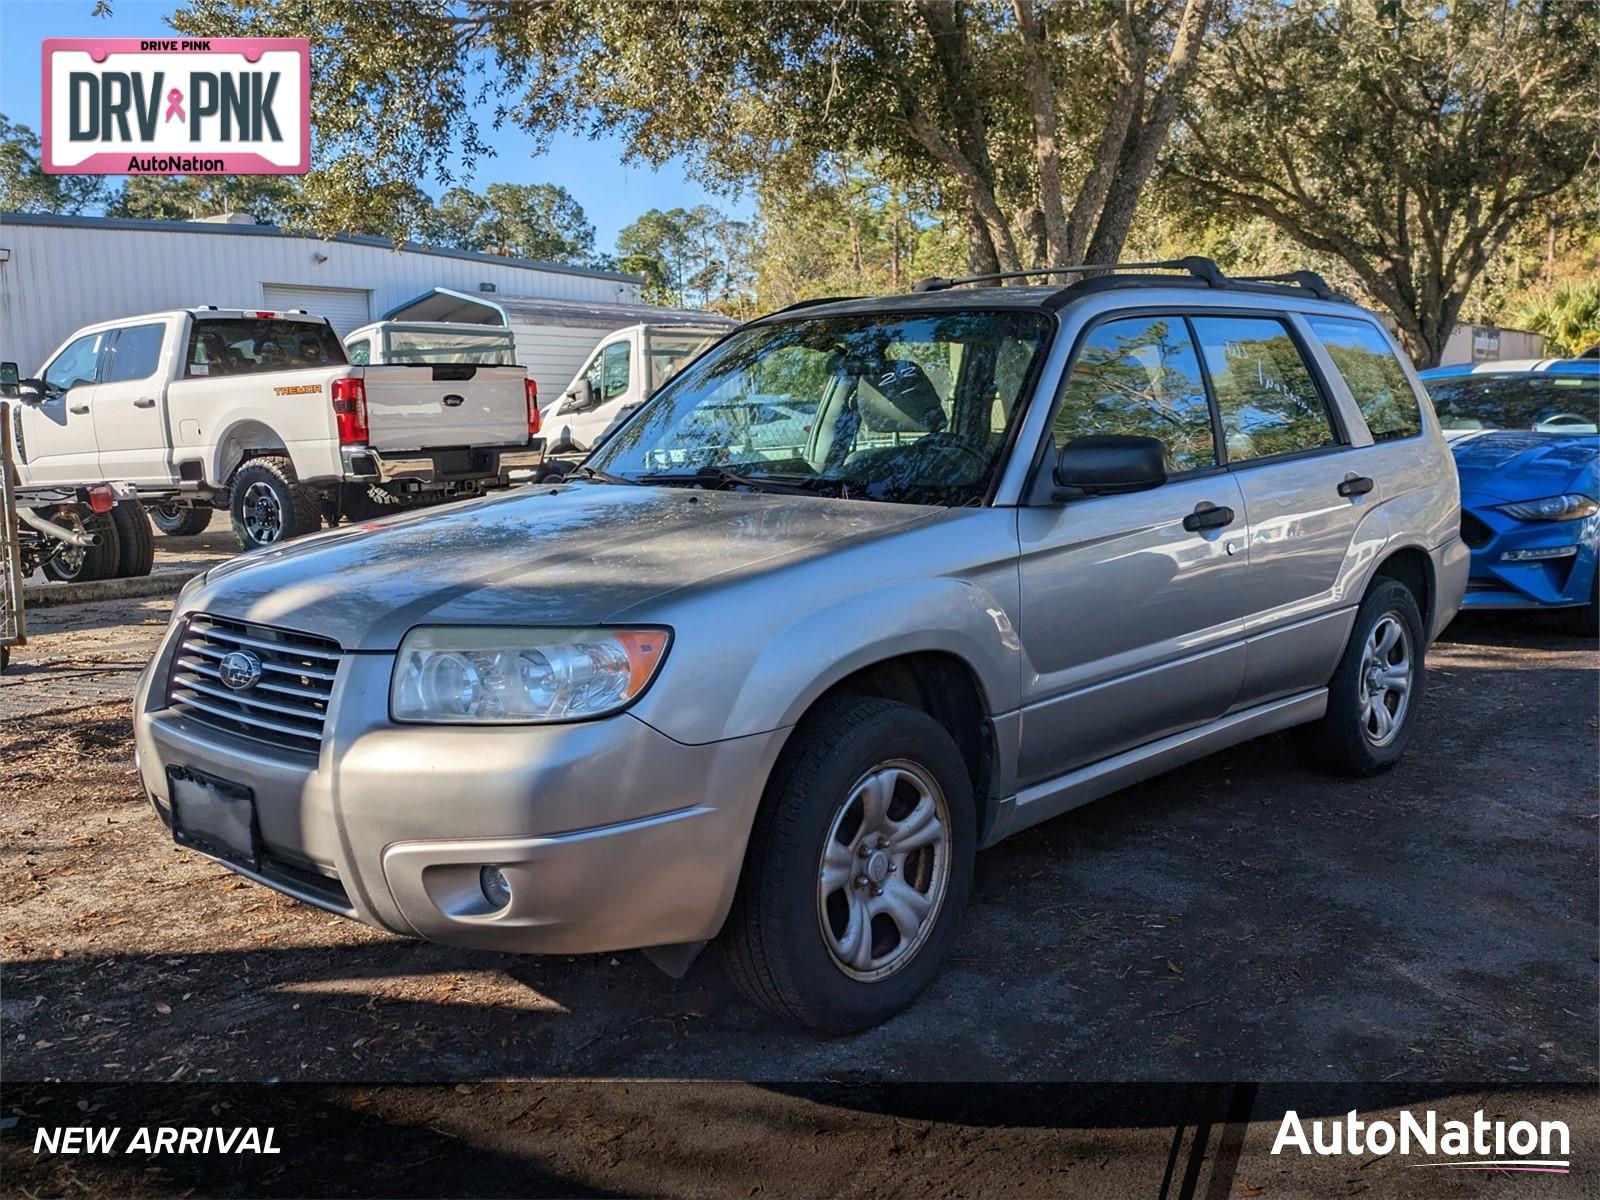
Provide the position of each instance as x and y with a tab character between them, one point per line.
454	401
239	670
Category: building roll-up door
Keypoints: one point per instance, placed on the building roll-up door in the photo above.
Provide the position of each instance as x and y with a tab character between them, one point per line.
345	308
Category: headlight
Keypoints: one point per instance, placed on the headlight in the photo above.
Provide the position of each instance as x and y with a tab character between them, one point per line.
1552	508
517	676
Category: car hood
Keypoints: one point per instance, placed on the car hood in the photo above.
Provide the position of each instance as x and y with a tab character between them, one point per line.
1511	464
540	555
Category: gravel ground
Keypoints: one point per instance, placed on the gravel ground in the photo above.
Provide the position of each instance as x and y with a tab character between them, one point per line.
1239	918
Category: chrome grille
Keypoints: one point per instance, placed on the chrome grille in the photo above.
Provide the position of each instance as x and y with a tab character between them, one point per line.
286	706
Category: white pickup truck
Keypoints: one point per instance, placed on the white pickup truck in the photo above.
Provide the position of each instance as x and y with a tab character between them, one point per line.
262	413
626	367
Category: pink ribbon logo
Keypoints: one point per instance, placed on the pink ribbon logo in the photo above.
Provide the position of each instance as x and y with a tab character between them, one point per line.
175	106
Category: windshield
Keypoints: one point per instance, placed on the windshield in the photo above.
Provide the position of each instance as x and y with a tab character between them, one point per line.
911	409
671	350
1540	402
493	348
247	345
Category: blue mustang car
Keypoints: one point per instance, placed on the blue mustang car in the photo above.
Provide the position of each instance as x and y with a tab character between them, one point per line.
1527	449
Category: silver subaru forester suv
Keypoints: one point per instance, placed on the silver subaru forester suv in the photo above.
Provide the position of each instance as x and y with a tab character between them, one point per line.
870	586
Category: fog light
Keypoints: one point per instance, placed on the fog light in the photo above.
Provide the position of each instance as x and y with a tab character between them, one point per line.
496	888
1536	555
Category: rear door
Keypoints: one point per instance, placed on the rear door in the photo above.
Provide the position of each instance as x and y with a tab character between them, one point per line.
129	421
423	405
1132	622
58	438
1294	465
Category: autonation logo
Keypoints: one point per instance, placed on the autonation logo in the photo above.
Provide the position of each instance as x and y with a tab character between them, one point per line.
1479	1145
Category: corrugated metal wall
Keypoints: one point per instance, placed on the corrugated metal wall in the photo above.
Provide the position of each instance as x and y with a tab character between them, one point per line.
59	277
553	354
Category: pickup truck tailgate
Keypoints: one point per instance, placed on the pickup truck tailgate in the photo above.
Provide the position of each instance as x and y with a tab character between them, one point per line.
424	405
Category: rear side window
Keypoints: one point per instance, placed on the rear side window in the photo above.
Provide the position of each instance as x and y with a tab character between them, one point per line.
246	345
1140	377
1266	395
136	353
1374	377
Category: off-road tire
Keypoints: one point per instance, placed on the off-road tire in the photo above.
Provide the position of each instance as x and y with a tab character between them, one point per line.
1337	743
772	944
300	509
135	538
100	561
175	520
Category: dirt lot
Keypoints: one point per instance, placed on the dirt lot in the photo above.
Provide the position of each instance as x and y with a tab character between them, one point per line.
1240	918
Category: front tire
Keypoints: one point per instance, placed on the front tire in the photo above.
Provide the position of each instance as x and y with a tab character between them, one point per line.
858	868
179	520
84	564
268	505
1374	693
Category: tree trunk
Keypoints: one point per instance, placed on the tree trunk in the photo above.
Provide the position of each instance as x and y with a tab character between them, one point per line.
1047	151
1130	52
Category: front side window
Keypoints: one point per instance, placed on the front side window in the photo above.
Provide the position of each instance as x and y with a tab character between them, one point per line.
76	364
908	408
136	353
1368	366
359	352
1267	397
1140	377
248	345
614	370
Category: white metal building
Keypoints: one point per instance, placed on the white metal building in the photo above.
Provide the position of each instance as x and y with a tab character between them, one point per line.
58	273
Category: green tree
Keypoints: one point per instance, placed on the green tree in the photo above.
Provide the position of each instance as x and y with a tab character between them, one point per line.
24	187
767	92
1568	316
269	199
1408	141
529	220
691	256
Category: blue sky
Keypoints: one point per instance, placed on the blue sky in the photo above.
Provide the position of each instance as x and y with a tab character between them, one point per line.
611	194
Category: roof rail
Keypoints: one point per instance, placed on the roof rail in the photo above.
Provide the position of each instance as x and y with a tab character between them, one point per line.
810	302
1200	268
1310	280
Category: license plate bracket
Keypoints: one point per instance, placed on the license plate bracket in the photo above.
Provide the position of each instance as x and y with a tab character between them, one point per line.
214	816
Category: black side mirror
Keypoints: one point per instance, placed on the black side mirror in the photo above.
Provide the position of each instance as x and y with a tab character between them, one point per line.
1108	463
9	375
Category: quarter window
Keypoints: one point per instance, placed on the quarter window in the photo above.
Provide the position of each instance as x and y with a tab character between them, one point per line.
136	353
74	365
1368	366
1267	398
1140	376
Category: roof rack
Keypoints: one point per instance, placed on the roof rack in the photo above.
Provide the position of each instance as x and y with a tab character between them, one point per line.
1202	270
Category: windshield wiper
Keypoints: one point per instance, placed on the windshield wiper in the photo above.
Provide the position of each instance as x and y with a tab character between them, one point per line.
596	475
722	475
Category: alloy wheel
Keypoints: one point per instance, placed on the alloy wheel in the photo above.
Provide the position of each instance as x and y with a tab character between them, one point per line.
1387	671
262	513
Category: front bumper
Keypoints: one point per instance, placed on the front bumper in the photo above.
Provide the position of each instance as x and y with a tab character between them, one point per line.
612	835
440	466
1495	583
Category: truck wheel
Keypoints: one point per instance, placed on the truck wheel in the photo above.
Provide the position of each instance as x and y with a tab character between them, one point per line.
180	520
135	538
81	564
268	505
1374	692
858	867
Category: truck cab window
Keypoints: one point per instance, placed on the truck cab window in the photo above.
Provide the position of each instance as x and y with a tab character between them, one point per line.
76	364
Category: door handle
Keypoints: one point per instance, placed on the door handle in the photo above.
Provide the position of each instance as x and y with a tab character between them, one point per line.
1355	485
145	402
80	409
1207	515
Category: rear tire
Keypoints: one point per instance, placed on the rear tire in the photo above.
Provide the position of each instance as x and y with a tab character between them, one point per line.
177	520
268	505
135	538
1374	693
836	935
75	564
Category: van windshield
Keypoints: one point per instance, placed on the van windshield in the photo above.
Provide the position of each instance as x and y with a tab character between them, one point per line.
249	345
909	409
490	348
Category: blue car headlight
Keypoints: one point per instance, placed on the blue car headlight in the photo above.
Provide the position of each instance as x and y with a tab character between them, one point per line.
1570	507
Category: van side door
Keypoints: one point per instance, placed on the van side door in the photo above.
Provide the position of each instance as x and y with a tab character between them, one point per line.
130	420
1132	620
58	439
1305	490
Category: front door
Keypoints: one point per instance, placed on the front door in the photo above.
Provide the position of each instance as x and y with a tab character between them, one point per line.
58	438
1295	470
129	423
1132	624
